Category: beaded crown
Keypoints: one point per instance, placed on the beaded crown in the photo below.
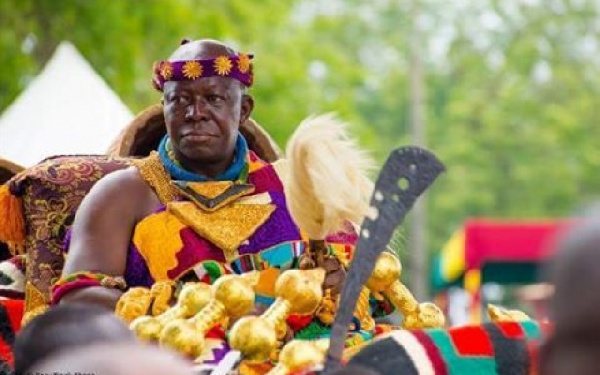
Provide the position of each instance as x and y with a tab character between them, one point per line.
237	66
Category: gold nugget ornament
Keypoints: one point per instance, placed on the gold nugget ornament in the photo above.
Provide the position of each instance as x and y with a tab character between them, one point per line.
298	292
499	314
231	296
300	355
385	281
192	298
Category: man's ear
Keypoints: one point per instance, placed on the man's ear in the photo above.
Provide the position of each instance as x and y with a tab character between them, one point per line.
246	108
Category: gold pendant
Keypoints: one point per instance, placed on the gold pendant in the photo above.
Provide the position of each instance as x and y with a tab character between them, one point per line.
228	227
213	195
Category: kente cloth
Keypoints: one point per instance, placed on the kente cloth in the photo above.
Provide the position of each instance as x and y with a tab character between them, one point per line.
11	312
165	248
508	348
12	277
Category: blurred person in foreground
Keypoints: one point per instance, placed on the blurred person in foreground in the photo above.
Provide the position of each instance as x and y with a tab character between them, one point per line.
574	347
122	359
66	327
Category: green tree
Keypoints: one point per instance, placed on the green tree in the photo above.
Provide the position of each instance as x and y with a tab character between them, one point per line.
512	87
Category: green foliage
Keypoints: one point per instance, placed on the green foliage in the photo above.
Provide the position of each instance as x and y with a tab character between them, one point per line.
518	136
511	87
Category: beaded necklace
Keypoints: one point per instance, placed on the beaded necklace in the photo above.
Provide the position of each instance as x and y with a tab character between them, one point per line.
237	171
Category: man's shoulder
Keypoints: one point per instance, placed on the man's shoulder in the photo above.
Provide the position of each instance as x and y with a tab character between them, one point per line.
126	183
124	178
125	189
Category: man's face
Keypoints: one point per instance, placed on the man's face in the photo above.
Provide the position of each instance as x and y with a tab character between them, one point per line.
202	118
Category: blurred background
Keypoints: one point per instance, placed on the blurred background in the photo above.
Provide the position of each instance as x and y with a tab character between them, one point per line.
505	92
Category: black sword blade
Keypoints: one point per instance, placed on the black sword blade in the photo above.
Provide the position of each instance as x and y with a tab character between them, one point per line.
406	174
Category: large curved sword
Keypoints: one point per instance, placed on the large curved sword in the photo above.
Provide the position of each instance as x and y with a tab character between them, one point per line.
406	174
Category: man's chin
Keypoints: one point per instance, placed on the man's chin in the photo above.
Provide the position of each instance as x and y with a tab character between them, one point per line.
201	156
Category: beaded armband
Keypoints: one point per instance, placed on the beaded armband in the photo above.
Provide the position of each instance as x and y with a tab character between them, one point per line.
84	279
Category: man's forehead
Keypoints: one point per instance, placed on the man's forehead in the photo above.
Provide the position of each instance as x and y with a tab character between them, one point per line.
208	83
200	49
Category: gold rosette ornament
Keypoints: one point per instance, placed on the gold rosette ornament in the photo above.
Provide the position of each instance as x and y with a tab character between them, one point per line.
231	296
385	280
192	298
298	292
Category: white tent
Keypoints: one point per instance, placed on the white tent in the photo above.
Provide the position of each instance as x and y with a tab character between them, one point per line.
67	109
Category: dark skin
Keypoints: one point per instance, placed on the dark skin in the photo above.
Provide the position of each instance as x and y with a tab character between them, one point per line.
202	118
121	359
65	328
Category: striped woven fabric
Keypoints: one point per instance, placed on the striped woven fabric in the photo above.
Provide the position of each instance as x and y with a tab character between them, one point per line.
509	348
11	312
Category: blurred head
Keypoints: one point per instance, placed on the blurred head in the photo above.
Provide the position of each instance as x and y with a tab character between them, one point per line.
574	347
66	327
353	369
121	359
203	115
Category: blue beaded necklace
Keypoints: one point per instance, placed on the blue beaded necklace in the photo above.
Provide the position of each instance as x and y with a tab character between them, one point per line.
238	170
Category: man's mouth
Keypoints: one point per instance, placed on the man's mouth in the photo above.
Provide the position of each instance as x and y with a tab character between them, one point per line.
197	137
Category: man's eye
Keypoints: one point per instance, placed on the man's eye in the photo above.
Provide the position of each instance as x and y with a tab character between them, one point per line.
214	98
178	99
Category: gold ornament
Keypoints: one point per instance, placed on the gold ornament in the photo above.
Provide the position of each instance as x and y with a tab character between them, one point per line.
298	292
153	172
192	70
385	281
210	189
161	293
427	315
255	337
231	296
166	70
223	65
298	355
363	312
228	227
326	310
35	303
192	298
212	195
133	303
498	314
301	289
243	63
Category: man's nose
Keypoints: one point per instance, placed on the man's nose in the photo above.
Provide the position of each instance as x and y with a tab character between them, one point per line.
197	111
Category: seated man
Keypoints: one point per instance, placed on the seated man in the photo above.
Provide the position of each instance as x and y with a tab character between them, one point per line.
169	217
66	327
